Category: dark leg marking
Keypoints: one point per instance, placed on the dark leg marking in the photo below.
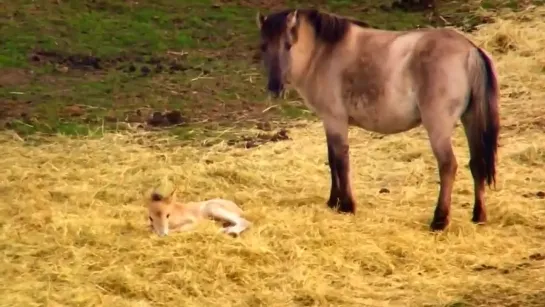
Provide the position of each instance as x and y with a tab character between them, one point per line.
341	164
334	193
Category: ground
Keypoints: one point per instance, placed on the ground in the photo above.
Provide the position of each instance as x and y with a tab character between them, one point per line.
100	100
75	66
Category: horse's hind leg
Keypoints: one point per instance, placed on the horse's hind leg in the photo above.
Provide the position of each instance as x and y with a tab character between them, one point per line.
440	126
446	161
477	168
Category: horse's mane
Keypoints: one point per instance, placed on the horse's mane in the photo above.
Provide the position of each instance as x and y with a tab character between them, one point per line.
329	28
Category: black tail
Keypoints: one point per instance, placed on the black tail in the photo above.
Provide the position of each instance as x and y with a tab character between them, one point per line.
485	96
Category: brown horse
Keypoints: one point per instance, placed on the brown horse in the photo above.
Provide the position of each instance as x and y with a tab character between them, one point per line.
388	82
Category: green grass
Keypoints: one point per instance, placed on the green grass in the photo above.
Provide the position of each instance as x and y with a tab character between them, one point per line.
212	78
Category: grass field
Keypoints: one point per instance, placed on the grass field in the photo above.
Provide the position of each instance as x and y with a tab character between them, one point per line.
77	78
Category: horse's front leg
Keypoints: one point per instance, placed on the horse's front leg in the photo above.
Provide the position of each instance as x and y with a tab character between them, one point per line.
333	200
336	129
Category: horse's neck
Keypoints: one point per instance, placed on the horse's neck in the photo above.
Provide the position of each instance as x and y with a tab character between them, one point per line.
306	68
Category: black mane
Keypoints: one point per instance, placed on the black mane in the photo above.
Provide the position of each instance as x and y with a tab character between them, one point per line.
329	28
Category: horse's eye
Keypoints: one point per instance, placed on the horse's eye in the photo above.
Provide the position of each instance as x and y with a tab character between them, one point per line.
168	215
150	219
263	47
287	46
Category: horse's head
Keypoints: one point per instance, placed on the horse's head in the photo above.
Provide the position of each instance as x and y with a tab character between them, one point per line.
278	35
290	38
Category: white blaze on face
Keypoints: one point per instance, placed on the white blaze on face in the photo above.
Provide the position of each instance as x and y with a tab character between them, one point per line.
159	225
164	230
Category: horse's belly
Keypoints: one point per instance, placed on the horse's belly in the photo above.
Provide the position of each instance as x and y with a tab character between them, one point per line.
386	117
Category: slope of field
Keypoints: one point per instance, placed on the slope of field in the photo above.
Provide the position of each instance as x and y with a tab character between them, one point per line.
73	226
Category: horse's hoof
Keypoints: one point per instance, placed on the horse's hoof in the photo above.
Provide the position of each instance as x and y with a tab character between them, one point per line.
348	206
332	204
439	225
233	231
479	219
347	210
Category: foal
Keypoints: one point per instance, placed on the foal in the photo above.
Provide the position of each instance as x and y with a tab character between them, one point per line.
387	82
166	215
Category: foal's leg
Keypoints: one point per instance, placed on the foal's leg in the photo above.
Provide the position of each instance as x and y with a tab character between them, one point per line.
477	169
218	212
338	154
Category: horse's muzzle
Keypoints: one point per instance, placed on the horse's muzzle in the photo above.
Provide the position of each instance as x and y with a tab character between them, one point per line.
275	87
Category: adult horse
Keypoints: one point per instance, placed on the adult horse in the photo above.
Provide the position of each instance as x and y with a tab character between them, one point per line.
388	82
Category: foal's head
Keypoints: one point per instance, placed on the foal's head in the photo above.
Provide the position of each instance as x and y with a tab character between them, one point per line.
159	210
289	37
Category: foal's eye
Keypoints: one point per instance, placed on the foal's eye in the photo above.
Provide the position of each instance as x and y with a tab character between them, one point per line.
263	47
150	219
168	215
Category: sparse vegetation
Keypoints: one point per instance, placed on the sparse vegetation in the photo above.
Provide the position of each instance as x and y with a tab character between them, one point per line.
136	81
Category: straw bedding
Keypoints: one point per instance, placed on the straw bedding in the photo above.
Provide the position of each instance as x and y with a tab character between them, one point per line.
73	226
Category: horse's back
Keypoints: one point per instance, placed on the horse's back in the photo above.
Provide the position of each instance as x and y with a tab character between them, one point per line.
391	73
439	58
441	76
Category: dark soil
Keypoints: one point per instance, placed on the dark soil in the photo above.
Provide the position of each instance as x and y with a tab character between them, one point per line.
259	139
209	78
143	64
11	77
414	5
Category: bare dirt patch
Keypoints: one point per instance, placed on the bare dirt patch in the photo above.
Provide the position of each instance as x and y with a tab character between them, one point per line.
73	61
12	77
14	109
261	4
251	141
414	5
143	64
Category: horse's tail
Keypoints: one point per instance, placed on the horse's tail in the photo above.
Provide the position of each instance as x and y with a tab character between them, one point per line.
485	110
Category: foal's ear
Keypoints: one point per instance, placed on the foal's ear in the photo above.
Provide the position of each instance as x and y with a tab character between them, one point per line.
291	19
171	197
260	19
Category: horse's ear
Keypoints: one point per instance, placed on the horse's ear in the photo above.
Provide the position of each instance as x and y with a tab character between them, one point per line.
260	19
291	20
